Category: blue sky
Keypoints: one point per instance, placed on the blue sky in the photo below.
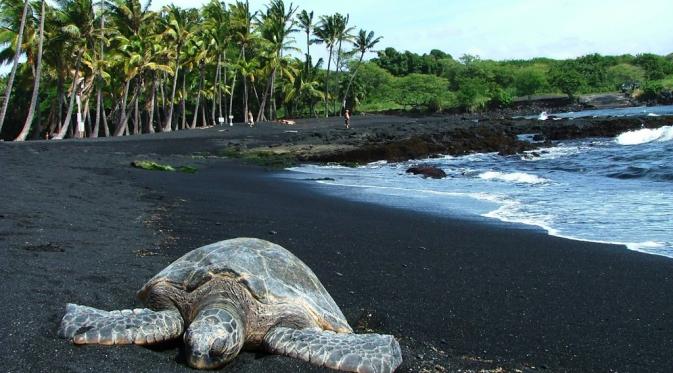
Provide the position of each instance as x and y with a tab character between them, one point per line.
504	29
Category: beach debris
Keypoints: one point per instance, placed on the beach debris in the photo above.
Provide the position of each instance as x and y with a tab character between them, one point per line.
273	233
235	293
144	252
427	171
49	247
154	166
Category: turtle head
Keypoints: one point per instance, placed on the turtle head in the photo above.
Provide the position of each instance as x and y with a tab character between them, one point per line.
215	337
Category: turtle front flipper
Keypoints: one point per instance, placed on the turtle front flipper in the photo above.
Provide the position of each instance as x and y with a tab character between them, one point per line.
88	325
363	353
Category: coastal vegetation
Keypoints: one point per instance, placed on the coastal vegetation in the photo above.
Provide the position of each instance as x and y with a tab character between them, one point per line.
436	81
89	68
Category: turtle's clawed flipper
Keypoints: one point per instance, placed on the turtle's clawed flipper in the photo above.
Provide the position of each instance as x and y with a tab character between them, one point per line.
87	325
363	353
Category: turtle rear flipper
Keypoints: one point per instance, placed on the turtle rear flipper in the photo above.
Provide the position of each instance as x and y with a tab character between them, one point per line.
88	325
363	353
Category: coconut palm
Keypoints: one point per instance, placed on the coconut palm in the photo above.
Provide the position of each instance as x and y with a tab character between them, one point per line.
305	22
216	22
326	32
363	43
343	33
15	63
276	25
38	74
176	32
241	26
78	20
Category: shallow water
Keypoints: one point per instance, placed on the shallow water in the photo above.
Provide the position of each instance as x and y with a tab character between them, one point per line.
617	190
638	111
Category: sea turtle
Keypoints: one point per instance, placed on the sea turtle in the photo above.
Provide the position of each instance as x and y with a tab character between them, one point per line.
234	294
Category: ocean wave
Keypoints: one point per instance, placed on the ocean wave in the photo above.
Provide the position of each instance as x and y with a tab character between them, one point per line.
645	135
513	177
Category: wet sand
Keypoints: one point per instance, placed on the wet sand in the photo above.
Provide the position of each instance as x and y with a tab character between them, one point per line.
78	224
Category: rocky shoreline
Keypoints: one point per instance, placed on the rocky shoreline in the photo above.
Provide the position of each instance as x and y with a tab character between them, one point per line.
397	138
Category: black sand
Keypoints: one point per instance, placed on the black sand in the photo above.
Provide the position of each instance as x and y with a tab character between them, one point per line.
77	224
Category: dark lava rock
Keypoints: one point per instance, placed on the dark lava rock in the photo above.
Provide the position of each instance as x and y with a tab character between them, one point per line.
427	171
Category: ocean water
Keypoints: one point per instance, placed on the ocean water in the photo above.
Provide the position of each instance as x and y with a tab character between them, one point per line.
613	190
637	111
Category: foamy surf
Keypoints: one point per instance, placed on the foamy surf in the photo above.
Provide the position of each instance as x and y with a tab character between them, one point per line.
645	135
513	177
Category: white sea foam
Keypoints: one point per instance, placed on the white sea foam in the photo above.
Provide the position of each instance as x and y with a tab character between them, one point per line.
645	135
551	153
513	177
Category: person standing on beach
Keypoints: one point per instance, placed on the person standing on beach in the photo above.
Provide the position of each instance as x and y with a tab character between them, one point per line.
347	119
251	119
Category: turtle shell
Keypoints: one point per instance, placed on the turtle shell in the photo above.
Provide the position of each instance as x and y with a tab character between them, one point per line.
270	272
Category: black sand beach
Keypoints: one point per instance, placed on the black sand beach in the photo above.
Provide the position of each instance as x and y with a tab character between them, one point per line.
78	224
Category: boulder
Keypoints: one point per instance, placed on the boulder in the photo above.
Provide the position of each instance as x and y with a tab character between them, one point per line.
427	171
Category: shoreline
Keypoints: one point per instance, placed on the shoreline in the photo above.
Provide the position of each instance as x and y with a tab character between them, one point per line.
80	225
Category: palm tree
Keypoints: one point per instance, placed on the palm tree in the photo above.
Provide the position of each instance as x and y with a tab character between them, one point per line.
364	42
327	33
216	21
15	63
176	32
38	74
343	33
78	19
276	25
241	25
305	21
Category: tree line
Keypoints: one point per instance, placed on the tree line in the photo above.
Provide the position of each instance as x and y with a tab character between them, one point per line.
436	80
89	68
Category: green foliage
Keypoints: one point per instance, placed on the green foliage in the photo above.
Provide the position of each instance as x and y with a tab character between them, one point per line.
651	90
421	90
400	64
473	94
154	166
566	78
625	73
529	81
656	67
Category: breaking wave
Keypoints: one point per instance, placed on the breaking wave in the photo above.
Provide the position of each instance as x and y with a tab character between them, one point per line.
513	177
645	135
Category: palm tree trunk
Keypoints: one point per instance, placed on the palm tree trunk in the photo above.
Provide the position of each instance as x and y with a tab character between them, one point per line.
350	82
36	85
337	69
153	95
183	123
203	116
224	82
120	129
106	128
198	95
169	120
216	92
329	65
231	98
87	122
245	90
15	64
73	94
96	126
262	106
99	88
136	117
